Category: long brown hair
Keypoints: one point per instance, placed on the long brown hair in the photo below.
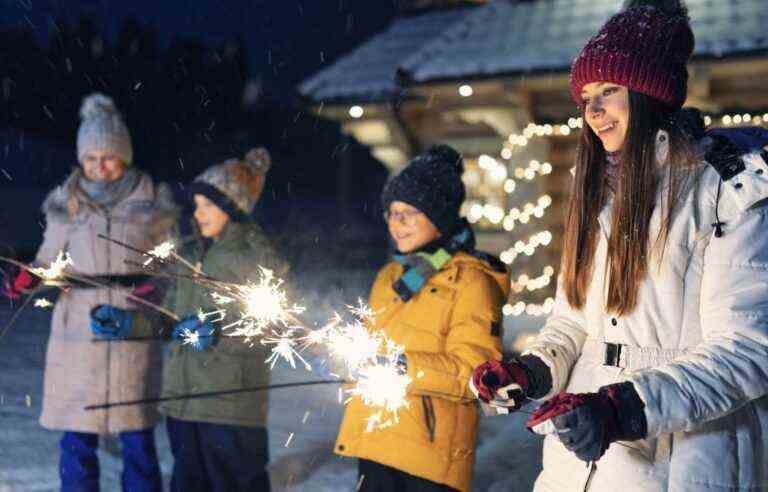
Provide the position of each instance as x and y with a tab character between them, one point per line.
636	196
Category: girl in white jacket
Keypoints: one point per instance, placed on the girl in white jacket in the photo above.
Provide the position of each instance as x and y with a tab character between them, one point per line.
654	363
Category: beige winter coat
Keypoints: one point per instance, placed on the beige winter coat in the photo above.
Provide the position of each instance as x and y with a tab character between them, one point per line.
79	372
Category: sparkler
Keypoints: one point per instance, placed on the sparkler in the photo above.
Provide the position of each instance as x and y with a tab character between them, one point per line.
263	309
262	304
210	394
56	270
383	386
161	251
56	276
189	337
43	303
284	347
371	360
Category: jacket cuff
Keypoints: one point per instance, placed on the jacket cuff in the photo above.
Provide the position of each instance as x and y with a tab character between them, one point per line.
539	376
629	411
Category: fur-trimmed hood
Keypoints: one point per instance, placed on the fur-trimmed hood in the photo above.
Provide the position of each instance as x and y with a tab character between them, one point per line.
145	197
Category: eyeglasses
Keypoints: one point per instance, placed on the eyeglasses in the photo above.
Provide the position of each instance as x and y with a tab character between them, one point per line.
408	217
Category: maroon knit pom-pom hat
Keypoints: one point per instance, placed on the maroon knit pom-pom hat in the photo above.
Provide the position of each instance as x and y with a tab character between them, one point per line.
645	48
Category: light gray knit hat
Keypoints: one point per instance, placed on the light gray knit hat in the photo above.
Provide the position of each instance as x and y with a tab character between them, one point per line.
102	128
235	185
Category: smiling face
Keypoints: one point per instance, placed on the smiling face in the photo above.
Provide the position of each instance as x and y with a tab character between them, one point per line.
210	218
102	166
409	227
606	111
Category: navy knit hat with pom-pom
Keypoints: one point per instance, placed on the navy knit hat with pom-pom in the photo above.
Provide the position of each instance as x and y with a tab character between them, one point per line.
432	183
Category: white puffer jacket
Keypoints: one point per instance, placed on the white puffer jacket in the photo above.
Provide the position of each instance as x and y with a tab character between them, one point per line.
695	348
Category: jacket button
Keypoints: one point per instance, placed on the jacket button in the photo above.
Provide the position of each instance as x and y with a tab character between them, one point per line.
433	290
759	171
738	186
614	322
341	447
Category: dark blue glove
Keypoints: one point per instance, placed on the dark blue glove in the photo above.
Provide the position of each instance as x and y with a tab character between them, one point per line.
111	322
587	423
191	331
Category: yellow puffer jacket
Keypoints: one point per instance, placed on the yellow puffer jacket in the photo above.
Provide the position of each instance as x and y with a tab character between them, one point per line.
451	326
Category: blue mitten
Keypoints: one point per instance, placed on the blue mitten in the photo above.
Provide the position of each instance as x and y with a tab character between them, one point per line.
192	331
111	322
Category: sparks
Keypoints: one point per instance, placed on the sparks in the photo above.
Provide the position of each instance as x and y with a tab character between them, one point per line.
383	387
62	261
189	337
284	348
362	311
354	344
263	304
160	252
371	359
216	315
43	303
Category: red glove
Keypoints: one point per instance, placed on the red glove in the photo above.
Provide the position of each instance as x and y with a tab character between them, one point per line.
13	289
152	290
490	377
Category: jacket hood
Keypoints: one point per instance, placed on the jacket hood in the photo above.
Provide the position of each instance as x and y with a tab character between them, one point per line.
486	263
146	195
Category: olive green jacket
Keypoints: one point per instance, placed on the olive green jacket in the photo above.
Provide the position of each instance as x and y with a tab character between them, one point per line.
231	363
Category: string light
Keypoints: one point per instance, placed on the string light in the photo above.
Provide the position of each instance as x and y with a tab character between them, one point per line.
524	282
739	119
529	209
543	238
534	167
520	308
533	130
465	90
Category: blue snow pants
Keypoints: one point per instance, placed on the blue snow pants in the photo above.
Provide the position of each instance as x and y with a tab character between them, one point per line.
218	458
79	464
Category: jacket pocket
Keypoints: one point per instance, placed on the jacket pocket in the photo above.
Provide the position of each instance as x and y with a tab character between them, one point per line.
430	417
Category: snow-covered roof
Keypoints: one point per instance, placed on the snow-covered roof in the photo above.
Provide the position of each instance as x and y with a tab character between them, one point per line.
509	37
369	72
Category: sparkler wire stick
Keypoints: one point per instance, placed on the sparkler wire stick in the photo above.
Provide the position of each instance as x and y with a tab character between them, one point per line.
212	394
150	339
126	246
199	278
151	305
86	280
148	253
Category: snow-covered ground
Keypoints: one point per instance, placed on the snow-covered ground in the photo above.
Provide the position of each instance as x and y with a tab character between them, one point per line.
302	425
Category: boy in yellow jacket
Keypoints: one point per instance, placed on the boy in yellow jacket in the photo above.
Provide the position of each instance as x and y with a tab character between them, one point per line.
441	300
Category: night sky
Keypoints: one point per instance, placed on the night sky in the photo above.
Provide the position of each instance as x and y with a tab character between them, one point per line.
287	40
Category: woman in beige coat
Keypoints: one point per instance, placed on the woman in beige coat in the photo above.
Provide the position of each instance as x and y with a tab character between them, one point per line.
105	195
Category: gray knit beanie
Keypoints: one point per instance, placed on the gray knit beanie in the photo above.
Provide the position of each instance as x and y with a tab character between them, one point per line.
235	185
102	128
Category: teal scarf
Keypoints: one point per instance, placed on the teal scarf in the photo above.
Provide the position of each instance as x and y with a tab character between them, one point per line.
421	265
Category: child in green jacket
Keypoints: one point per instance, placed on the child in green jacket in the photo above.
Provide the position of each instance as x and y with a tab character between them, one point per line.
218	443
